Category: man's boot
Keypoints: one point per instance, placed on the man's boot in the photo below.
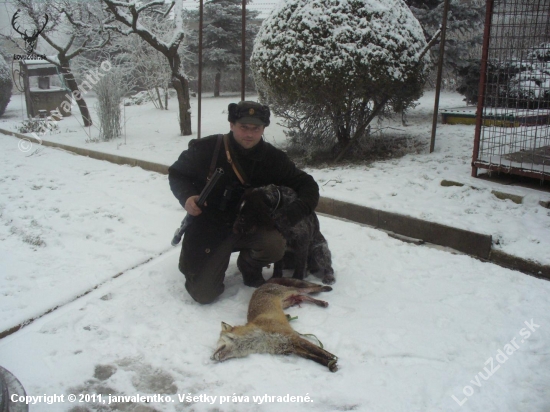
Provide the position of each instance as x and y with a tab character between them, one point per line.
251	270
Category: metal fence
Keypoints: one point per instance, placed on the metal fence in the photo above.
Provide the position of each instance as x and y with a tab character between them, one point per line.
513	112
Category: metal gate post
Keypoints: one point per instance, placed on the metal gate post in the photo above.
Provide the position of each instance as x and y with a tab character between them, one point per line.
482	83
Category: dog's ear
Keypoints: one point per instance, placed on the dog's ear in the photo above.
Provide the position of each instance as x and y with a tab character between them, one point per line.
255	197
264	196
259	205
266	199
273	196
264	216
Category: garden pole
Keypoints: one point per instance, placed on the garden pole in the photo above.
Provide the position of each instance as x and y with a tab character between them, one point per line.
439	73
243	48
199	80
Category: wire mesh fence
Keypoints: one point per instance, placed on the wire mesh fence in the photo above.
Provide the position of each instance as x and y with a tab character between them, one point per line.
513	115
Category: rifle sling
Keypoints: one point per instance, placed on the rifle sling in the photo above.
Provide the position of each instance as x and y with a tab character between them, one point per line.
236	167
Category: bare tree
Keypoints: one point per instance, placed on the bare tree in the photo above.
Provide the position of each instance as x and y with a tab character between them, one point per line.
150	67
130	16
78	39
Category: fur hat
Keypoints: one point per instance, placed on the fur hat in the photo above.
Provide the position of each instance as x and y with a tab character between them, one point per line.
248	112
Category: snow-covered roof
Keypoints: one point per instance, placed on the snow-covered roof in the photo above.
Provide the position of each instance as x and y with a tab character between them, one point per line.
37	62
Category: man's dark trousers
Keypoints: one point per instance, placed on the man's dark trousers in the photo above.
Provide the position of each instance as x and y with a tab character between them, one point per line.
257	249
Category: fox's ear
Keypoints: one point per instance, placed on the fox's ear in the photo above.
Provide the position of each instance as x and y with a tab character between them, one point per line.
226	327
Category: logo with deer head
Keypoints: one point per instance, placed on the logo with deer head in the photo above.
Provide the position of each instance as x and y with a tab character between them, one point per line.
30	40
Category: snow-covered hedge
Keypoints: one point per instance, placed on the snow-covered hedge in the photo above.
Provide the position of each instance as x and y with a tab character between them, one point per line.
532	85
512	83
369	46
5	85
339	57
540	53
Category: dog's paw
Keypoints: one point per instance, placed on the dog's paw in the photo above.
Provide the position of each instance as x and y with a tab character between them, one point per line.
328	279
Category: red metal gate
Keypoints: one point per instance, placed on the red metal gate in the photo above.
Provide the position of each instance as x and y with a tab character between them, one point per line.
513	112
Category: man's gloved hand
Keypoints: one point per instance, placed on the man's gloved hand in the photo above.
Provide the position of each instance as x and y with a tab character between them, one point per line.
292	213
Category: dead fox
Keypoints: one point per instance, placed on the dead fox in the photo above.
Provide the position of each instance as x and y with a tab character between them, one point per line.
268	330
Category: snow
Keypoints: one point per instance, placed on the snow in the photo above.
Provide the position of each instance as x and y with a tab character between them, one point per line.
410	185
412	326
71	230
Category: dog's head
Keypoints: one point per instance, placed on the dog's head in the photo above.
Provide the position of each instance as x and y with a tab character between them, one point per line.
255	211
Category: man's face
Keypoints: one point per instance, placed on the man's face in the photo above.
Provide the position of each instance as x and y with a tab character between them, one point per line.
247	135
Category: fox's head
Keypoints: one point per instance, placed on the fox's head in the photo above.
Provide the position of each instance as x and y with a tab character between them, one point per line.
228	344
240	341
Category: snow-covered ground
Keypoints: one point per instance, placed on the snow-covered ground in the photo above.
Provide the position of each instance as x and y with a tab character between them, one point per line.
415	328
83	221
410	185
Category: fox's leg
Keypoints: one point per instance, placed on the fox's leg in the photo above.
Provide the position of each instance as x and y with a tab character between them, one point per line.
308	350
304	286
296	299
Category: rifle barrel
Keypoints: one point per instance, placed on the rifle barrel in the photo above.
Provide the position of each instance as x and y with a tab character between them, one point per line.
209	186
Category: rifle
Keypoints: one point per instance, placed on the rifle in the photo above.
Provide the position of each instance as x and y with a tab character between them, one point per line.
202	198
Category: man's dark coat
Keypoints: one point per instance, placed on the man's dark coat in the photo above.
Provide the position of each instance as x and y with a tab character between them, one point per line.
262	165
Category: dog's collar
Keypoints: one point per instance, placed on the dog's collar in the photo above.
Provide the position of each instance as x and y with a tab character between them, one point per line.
279	199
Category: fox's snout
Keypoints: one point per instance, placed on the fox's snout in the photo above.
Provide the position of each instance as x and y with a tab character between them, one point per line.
217	356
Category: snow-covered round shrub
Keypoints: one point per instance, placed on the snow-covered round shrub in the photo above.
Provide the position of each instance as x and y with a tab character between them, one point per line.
5	85
339	58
